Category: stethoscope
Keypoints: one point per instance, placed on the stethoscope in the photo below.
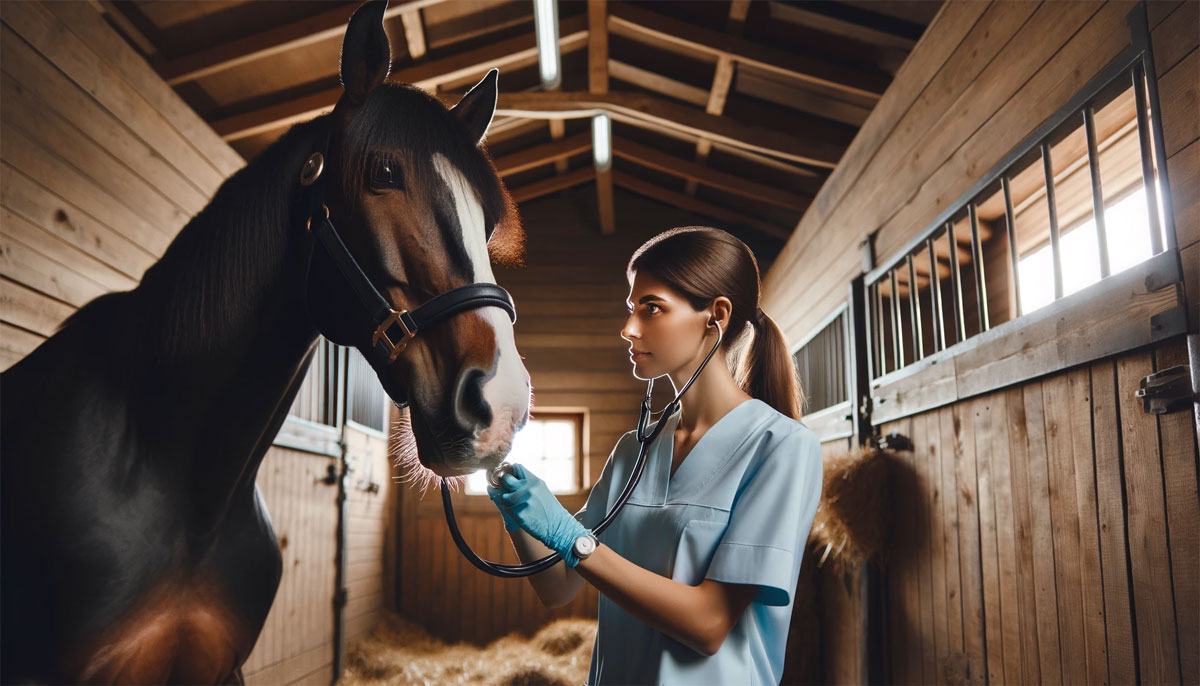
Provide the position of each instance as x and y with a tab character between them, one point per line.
644	438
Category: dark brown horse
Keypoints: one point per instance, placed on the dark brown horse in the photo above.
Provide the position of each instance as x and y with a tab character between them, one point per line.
136	547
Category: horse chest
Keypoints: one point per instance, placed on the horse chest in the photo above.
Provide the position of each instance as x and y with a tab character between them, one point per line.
178	634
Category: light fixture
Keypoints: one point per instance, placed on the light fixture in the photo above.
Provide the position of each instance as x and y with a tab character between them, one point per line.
602	142
545	20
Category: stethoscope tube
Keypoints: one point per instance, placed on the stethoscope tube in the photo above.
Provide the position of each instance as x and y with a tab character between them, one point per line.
644	439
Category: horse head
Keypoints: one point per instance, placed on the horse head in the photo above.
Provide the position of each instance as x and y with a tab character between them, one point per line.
421	208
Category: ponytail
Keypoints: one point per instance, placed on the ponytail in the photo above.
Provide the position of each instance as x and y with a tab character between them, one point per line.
766	370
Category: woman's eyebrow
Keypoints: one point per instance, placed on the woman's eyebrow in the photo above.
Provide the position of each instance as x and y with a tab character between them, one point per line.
648	298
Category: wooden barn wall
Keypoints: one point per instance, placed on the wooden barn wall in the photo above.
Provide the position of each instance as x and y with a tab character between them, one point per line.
997	576
101	164
1046	533
983	76
296	643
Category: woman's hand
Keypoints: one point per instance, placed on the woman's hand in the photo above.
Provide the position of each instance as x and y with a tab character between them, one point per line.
527	501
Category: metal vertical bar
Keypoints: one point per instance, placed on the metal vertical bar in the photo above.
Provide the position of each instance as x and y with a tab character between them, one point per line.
881	360
1146	149
914	311
960	321
977	263
1010	221
1089	127
1141	40
897	351
1052	208
935	301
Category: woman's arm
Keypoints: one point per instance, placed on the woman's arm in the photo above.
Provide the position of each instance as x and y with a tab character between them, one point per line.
699	617
556	586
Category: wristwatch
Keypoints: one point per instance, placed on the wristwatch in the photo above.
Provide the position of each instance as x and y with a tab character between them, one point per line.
584	546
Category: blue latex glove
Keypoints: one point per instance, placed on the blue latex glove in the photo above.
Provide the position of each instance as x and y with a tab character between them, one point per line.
528	501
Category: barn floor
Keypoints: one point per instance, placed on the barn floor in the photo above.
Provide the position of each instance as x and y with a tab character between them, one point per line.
398	651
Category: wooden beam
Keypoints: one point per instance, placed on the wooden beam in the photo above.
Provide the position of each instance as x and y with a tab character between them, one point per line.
693	171
552	184
414	33
839	27
654	81
297	34
531	158
691	204
558	129
646	26
718	93
597	47
652	112
604	201
738	9
428	76
791	94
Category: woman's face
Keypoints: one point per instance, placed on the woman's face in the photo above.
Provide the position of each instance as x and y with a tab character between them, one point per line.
663	330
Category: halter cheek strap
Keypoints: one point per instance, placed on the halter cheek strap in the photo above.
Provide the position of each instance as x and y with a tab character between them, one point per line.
393	329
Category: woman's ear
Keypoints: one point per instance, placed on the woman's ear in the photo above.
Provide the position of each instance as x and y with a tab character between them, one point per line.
720	311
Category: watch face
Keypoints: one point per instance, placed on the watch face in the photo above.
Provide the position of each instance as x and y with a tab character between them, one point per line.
584	545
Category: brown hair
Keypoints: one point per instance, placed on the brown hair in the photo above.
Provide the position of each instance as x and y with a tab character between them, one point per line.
703	263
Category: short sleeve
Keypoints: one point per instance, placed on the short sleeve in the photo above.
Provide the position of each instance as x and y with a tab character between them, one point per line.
770	520
597	502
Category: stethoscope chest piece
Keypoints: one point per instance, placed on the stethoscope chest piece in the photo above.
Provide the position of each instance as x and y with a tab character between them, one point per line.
496	476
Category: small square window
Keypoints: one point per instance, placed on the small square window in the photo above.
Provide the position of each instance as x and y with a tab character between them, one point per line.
550	445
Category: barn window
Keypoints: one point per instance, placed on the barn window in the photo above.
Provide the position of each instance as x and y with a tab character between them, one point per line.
366	401
551	445
821	365
1062	253
317	399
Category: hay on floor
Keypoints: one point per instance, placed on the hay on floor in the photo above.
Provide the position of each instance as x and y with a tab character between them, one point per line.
854	517
398	651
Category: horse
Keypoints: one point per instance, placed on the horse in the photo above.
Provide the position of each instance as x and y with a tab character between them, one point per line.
136	546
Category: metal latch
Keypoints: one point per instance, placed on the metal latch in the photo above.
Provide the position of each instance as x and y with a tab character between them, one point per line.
1167	391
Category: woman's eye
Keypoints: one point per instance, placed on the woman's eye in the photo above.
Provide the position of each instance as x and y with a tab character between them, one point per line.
652	308
383	175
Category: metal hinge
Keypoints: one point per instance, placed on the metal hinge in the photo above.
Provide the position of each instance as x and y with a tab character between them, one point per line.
1167	391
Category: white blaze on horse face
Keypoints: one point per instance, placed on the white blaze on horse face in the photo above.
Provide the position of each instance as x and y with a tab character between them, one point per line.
507	391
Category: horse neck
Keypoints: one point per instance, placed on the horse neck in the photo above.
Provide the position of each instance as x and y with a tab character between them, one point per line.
227	335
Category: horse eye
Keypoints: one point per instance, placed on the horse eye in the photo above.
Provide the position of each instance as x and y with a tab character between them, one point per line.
382	174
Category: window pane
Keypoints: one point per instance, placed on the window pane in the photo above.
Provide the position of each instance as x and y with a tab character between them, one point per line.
548	447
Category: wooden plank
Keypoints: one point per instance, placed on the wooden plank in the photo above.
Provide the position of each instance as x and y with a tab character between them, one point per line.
1178	436
114	50
1175	37
1158	657
647	26
928	558
981	409
1045	592
40	206
1111	512
650	111
917	92
1179	97
425	75
1080	404
16	343
597	46
23	258
1183	168
1000	481
78	188
535	156
42	80
55	41
42	129
969	545
31	310
1064	514
1019	485
704	175
690	204
553	184
951	565
657	82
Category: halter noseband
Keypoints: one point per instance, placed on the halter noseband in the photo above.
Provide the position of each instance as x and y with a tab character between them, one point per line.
393	329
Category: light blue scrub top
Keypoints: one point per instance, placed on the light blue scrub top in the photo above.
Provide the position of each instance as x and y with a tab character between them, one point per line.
738	509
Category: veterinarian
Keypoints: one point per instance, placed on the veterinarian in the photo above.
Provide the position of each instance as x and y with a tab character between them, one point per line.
697	573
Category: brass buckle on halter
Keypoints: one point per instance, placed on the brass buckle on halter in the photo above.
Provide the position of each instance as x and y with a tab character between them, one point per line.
394	347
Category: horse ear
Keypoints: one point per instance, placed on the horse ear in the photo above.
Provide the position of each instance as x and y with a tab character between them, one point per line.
478	105
366	51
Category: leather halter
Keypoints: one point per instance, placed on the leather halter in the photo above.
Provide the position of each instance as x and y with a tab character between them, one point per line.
393	329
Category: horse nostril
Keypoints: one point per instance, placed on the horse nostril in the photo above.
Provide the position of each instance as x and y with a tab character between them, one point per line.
470	409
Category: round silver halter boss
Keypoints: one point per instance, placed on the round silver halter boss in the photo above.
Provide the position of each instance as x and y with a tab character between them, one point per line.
312	169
